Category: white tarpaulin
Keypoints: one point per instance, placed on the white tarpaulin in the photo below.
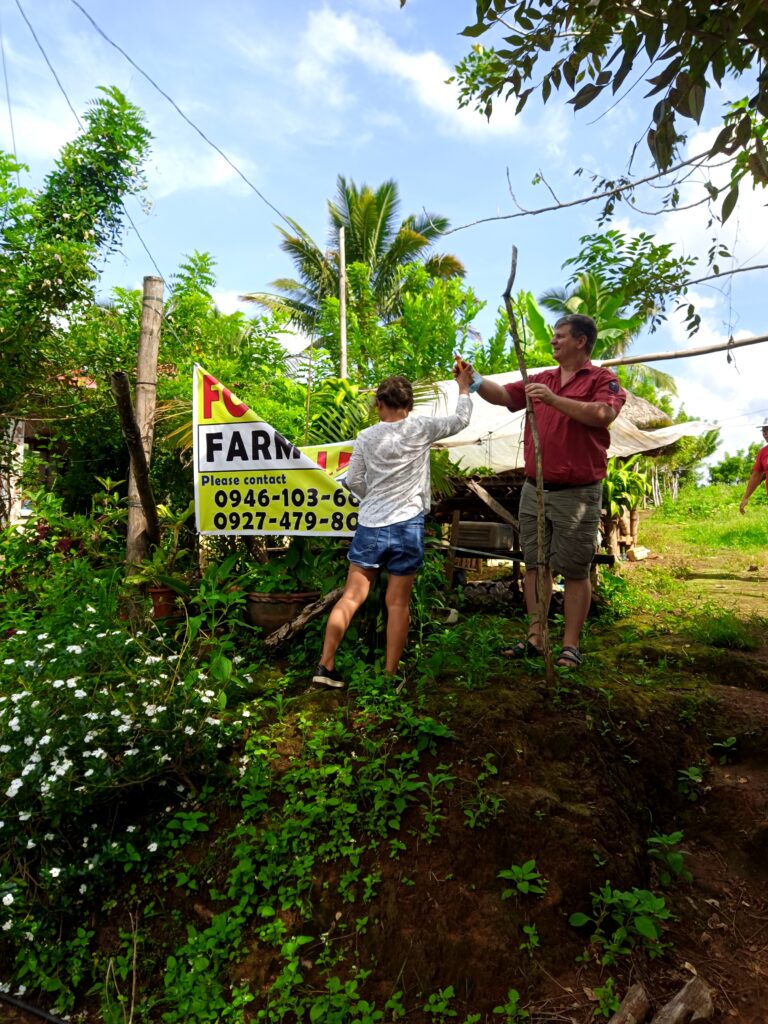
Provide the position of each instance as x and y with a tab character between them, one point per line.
494	437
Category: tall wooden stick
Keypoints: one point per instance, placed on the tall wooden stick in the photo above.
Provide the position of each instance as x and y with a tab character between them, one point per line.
139	466
342	306
146	395
542	570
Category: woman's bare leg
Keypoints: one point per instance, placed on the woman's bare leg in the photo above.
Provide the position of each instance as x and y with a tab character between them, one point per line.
355	592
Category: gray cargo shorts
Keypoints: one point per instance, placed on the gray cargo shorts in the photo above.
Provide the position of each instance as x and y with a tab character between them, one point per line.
571	532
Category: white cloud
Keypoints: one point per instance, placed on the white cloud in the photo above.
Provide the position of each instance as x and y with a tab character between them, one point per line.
37	136
334	40
730	393
743	234
178	169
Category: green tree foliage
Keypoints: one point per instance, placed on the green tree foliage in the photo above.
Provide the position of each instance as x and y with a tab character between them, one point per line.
734	469
80	418
434	322
644	273
374	236
683	49
50	242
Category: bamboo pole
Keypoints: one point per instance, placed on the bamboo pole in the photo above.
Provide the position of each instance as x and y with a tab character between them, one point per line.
543	589
146	397
657	357
342	306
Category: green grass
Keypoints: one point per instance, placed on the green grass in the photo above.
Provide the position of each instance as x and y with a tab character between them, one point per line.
706	521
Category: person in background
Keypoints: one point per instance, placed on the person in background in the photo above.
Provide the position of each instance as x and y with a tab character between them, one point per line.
759	471
574	405
389	472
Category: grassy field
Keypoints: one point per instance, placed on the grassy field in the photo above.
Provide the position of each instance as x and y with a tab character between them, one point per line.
706	522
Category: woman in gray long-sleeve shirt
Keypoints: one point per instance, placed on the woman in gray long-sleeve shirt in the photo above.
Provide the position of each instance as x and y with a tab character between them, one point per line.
389	472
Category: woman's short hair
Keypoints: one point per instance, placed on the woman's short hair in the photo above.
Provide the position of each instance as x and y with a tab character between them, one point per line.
396	392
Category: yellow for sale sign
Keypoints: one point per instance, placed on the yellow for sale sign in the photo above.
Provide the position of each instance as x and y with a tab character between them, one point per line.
250	480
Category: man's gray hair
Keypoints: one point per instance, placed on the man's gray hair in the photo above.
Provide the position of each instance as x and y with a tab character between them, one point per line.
580	324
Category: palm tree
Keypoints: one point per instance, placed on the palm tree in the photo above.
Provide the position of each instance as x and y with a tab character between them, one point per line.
372	237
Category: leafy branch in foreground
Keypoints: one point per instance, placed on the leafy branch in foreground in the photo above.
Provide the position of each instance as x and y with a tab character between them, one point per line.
682	50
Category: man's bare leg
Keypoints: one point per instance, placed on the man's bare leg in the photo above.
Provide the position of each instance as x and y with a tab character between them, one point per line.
398	619
578	597
356	591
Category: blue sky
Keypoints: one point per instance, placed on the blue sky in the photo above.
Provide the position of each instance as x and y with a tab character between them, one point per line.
298	93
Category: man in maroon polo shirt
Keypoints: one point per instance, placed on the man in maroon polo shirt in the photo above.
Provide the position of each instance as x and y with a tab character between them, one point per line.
574	405
759	471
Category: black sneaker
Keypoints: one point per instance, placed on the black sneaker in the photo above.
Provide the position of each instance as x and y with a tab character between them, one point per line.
328	677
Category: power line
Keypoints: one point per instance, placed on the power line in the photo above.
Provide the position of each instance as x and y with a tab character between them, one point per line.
80	125
181	113
50	66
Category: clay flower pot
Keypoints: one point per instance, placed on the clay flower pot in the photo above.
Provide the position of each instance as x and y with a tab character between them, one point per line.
271	611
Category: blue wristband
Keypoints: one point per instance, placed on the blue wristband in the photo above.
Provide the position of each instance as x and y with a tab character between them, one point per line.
477	380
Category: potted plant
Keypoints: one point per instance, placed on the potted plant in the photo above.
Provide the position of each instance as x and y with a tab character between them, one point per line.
289	580
159	574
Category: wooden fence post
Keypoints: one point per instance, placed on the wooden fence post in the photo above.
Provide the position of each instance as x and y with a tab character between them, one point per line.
146	397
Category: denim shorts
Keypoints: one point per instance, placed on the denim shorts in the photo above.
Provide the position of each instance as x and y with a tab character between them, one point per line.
399	548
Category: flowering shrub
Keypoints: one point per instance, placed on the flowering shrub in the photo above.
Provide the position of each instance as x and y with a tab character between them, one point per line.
97	726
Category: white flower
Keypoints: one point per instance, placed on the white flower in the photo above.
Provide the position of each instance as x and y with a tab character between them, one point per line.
152	847
55	872
151	659
74	649
80	694
7	926
42	636
44	740
31	844
7	899
83	888
10	661
130	828
189	730
14	724
57	683
14	788
90	609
